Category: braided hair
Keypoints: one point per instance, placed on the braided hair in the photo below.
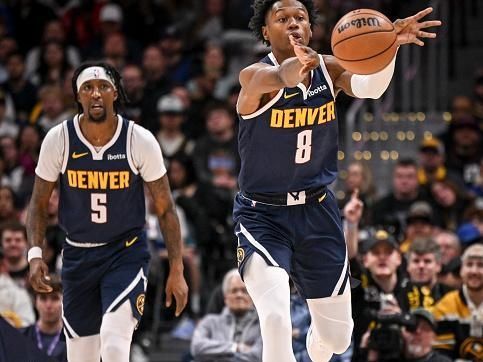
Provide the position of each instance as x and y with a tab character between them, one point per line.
112	73
261	8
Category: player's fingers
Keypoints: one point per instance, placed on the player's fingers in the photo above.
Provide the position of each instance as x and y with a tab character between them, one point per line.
41	285
181	301
169	297
422	13
418	42
429	24
425	34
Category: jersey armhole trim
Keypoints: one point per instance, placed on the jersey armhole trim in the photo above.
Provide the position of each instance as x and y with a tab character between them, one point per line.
327	75
65	132
265	107
130	159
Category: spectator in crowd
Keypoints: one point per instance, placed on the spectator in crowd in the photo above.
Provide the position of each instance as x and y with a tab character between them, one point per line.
15	303
359	177
14	244
461	106
431	164
53	109
459	317
46	332
391	211
12	169
22	90
29	140
7	125
53	31
53	65
419	224
234	335
381	289
132	76
170	135
465	148
115	50
449	203
418	340
179	62
449	245
215	156
423	266
155	74
8	45
8	211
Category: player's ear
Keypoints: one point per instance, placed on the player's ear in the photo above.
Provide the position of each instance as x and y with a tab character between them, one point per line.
116	94
265	33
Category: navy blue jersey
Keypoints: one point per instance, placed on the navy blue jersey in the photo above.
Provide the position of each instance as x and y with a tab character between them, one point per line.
290	143
101	193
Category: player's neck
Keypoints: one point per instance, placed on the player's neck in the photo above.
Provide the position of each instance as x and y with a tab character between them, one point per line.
282	55
50	327
98	133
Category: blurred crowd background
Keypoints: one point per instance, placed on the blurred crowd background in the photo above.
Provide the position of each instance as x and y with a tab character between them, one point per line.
415	156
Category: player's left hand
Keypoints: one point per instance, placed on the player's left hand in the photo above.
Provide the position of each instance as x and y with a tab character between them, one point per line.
176	286
409	31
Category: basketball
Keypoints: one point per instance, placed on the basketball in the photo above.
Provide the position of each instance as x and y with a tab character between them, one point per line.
364	41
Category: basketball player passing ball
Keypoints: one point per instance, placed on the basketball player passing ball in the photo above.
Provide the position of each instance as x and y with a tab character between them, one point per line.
286	220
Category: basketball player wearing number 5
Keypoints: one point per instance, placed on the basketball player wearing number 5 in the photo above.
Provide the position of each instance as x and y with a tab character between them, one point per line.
286	220
102	162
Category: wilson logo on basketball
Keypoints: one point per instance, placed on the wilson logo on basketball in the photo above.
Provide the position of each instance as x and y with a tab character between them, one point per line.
359	23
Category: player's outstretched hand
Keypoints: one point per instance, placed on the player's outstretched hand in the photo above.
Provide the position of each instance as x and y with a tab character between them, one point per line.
176	286
409	29
306	55
39	276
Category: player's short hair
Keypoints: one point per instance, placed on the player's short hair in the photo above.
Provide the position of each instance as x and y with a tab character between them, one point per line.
262	7
225	285
112	73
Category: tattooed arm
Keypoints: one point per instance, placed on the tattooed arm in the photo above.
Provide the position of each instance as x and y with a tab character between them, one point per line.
168	221
36	226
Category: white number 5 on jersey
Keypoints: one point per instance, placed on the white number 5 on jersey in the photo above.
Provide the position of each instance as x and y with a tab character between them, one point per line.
99	208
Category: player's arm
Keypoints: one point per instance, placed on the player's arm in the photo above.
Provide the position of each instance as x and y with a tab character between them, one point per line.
409	31
169	224
36	226
260	78
148	159
49	165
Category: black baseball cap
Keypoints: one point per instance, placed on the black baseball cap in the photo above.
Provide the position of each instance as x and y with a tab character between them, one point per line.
377	237
426	315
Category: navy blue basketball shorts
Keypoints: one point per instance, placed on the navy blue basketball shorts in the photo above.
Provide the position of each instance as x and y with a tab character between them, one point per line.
97	280
306	240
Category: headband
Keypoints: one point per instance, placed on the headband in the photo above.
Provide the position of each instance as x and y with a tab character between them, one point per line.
93	73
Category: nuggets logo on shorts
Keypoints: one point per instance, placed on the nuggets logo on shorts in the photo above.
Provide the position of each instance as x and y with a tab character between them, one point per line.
240	255
140	303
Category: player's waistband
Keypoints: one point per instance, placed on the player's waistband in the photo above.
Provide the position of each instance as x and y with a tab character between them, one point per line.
84	245
290	198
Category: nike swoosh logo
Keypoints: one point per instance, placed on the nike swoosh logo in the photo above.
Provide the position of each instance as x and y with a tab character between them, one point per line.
130	242
78	155
287	96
